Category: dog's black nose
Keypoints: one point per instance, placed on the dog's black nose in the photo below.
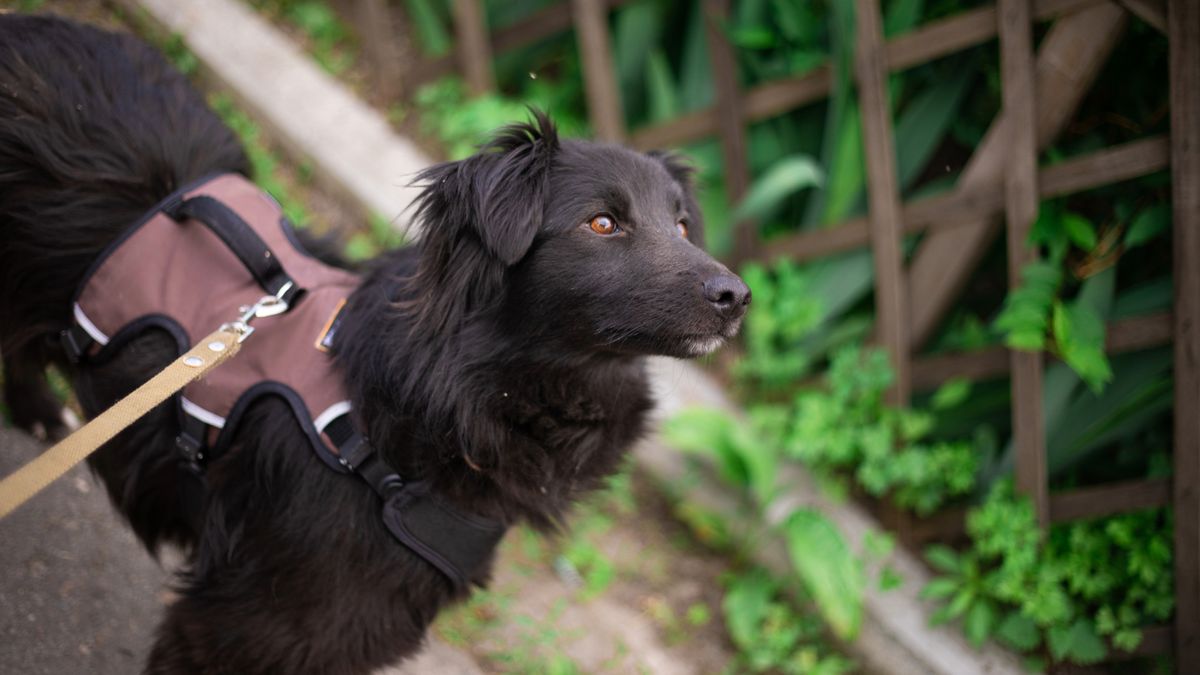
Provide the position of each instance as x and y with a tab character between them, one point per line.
729	294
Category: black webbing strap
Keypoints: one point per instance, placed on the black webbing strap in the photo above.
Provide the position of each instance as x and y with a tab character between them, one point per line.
458	544
75	342
240	238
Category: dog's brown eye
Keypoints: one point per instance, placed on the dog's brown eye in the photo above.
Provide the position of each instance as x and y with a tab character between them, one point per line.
682	227
603	224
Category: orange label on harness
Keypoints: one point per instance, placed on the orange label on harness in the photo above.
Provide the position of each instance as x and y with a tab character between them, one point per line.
325	337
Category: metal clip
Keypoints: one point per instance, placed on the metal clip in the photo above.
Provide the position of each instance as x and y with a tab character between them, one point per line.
266	306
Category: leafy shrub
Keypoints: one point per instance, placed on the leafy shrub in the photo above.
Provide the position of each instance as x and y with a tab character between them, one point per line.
1059	598
770	635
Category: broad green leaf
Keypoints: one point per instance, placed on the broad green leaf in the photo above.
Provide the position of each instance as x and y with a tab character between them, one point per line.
979	622
925	121
430	30
661	89
785	178
951	394
638	25
1144	298
1079	329
939	589
745	605
1077	643
1079	230
1019	632
1148	224
695	75
890	579
943	558
830	572
1079	334
841	156
901	16
742	458
961	603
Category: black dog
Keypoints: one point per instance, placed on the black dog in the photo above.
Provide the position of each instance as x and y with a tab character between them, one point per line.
500	360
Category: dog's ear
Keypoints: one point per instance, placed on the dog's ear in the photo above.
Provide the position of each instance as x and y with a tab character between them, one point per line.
497	194
684	173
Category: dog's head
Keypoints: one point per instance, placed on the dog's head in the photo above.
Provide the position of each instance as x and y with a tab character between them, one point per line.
594	246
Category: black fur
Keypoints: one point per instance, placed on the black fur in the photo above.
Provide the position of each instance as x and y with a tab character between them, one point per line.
500	360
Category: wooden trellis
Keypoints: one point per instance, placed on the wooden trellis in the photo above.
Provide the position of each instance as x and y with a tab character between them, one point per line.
1041	92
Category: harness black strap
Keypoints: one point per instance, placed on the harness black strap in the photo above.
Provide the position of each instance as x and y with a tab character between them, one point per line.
456	543
240	238
75	342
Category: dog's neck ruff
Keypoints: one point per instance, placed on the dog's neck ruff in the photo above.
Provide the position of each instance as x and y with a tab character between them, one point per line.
186	267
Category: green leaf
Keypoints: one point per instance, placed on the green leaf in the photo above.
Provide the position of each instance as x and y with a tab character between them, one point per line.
951	394
828	569
890	579
1027	308
1079	230
901	16
1079	335
979	622
783	179
1148	224
430	31
1079	330
939	589
1077	643
1019	632
925	121
943	558
660	88
742	458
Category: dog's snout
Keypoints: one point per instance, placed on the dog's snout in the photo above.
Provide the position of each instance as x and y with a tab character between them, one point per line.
729	294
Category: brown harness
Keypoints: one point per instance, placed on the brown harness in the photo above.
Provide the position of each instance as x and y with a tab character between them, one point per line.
183	268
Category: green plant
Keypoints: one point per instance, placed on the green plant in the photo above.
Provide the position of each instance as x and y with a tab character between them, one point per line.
463	123
1059	598
329	39
772	636
846	428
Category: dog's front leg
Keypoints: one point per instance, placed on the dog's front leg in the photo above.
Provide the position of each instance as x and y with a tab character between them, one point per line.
295	571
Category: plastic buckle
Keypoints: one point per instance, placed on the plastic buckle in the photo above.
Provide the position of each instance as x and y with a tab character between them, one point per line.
73	349
192	450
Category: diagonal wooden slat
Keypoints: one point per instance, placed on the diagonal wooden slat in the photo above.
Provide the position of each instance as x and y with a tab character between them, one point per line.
1126	335
931	41
1069	58
965	205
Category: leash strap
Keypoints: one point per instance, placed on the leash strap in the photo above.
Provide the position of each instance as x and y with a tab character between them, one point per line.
208	353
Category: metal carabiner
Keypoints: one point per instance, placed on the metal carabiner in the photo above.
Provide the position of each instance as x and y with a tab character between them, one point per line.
266	306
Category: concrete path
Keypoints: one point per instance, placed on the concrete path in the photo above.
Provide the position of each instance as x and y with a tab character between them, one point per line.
311	113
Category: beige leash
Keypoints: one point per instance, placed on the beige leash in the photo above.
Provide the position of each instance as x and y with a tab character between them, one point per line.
208	353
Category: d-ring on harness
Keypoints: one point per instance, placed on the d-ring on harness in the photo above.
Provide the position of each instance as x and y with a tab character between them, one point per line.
222	242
